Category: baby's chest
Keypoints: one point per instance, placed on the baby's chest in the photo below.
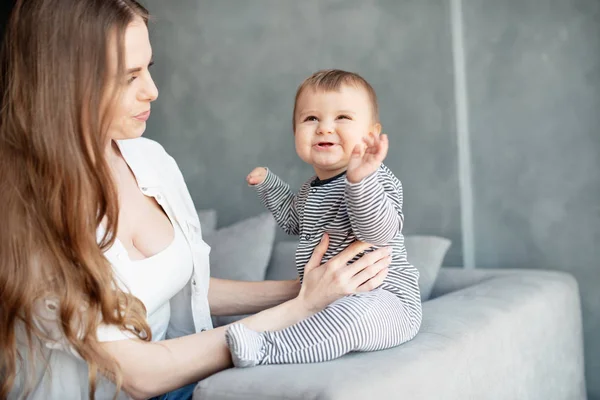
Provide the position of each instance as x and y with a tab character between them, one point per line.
325	213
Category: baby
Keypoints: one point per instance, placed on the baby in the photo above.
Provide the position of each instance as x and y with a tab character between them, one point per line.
352	197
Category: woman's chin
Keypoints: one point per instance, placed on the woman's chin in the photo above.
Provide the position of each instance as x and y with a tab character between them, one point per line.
130	134
136	133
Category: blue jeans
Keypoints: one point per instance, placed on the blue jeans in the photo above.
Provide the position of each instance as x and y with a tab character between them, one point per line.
183	393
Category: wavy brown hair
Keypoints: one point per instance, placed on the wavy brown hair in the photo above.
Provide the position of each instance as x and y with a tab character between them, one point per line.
56	185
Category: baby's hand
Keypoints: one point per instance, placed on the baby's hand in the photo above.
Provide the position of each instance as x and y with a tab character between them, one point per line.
257	176
364	164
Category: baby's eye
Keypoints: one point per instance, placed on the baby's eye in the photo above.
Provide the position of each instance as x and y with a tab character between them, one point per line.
343	116
310	118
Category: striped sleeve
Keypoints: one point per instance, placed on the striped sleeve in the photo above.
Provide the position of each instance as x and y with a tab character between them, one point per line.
279	199
375	207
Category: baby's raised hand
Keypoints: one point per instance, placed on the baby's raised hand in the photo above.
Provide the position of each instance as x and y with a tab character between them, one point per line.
257	176
364	164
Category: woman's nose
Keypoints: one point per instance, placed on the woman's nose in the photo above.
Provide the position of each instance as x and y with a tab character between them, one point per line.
150	91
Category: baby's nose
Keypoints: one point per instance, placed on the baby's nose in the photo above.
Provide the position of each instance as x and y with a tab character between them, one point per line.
325	128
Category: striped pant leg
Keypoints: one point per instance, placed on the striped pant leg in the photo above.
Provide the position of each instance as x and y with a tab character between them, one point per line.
366	322
390	322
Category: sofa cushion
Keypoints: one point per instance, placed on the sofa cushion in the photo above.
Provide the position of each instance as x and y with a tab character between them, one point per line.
426	253
208	221
283	262
241	252
472	342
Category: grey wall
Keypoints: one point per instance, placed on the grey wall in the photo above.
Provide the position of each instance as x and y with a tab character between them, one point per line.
228	71
533	69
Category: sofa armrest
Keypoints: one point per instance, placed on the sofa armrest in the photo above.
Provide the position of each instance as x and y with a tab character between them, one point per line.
513	335
452	279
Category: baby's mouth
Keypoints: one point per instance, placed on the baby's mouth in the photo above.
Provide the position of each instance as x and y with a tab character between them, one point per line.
325	144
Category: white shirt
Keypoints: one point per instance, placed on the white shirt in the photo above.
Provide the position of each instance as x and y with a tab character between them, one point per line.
157	175
156	279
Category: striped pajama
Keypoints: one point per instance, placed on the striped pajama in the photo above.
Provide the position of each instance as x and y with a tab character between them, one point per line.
369	211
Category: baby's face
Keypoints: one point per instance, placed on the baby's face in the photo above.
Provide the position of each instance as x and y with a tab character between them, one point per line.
329	125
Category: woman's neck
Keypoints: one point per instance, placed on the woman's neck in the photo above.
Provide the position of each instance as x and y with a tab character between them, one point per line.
113	154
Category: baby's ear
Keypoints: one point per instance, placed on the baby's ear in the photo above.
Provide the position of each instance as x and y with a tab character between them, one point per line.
376	129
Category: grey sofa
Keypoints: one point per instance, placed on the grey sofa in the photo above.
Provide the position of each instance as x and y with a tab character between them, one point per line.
486	334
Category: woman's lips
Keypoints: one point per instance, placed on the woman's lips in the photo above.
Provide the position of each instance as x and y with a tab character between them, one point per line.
143	116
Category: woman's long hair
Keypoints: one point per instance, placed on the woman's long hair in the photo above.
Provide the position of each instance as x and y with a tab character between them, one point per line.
56	185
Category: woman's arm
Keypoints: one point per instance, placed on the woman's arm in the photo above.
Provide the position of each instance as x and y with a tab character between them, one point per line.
227	297
150	369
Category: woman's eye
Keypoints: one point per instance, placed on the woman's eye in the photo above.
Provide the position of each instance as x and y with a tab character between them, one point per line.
310	118
131	79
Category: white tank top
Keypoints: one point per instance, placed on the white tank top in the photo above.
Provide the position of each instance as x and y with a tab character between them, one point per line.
160	277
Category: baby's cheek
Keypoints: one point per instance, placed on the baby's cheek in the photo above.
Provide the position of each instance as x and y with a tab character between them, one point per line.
305	156
303	151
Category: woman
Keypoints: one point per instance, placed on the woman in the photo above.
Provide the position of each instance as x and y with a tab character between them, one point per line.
103	270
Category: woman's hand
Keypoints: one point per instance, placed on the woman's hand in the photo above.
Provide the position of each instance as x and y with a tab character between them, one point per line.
324	284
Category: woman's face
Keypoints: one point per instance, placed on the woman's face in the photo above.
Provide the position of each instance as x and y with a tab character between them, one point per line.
131	109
